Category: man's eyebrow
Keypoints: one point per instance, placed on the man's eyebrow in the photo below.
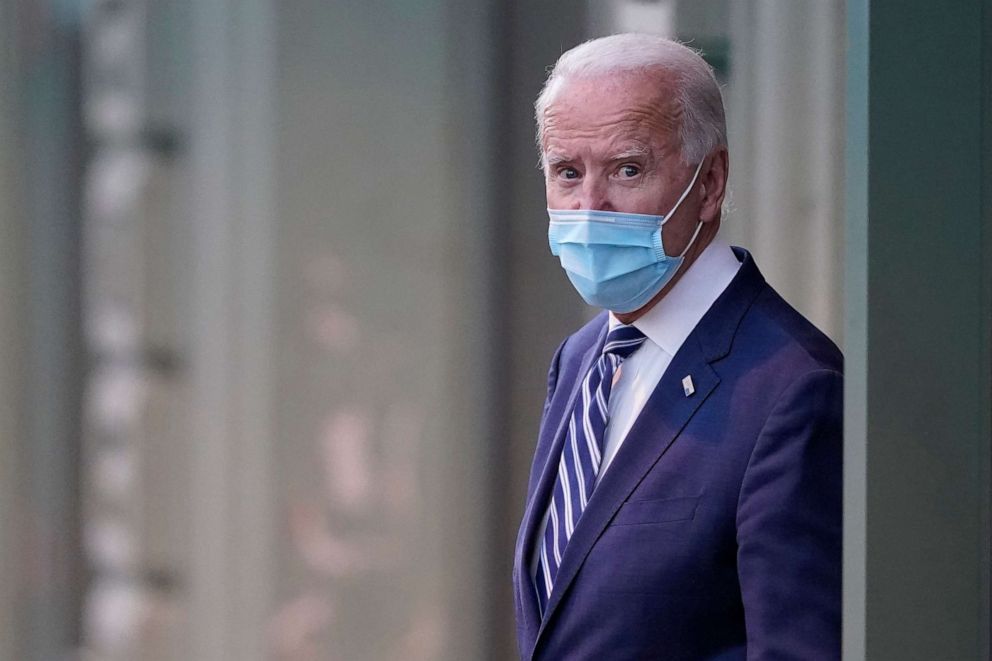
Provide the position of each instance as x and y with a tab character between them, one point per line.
630	152
554	158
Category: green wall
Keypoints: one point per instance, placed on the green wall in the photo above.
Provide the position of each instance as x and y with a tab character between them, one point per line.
918	330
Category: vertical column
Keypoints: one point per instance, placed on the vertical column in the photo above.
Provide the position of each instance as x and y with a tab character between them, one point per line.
11	349
49	150
211	353
475	460
118	597
231	370
856	331
786	131
918	328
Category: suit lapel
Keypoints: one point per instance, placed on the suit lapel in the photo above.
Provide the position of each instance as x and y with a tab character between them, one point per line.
663	417
534	513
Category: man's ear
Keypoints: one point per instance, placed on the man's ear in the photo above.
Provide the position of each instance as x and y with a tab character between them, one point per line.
716	177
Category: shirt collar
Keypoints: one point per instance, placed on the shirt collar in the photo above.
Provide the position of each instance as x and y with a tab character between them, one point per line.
671	320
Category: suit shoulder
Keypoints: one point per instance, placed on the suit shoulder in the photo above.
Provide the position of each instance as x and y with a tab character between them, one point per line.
808	347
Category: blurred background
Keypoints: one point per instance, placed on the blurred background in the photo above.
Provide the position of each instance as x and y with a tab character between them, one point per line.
276	305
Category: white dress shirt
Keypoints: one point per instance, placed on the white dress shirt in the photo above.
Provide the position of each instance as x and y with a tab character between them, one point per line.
666	327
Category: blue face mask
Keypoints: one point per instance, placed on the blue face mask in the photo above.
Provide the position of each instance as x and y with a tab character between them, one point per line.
615	260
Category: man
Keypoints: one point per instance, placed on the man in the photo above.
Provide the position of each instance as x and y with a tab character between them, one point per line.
685	495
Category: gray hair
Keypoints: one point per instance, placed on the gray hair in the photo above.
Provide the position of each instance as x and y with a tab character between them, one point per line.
703	125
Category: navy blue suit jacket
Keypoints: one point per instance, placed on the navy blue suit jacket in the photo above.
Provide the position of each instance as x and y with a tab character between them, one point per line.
716	531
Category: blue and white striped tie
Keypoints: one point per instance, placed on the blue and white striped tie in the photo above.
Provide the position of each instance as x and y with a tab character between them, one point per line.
581	456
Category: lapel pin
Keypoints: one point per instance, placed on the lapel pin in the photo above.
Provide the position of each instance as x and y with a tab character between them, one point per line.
687	386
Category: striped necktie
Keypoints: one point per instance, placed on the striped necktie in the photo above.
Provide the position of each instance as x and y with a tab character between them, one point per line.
581	456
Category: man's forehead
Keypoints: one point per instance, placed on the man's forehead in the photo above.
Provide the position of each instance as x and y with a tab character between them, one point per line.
632	108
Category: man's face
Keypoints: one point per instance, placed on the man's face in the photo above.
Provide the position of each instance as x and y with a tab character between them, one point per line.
611	144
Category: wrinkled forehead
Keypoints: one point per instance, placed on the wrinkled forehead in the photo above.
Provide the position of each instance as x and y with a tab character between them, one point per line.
634	107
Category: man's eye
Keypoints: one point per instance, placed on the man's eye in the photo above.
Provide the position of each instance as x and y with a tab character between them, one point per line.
568	173
629	171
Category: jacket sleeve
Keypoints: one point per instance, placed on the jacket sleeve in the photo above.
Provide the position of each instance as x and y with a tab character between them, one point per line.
789	525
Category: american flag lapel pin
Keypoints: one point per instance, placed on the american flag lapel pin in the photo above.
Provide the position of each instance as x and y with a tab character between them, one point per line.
687	386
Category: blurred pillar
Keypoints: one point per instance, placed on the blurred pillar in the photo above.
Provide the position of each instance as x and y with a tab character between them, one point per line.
40	175
119	598
785	122
12	349
918	416
230	584
475	42
179	276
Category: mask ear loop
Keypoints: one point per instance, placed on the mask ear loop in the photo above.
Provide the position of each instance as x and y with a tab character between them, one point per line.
685	193
699	226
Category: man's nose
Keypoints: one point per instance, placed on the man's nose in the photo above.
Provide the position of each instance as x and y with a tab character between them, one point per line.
595	195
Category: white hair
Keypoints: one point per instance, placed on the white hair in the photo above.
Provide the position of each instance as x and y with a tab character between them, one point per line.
697	93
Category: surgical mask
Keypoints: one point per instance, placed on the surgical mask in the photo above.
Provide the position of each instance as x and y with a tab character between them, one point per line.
616	260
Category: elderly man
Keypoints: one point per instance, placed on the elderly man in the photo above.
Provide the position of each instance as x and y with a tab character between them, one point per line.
685	495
